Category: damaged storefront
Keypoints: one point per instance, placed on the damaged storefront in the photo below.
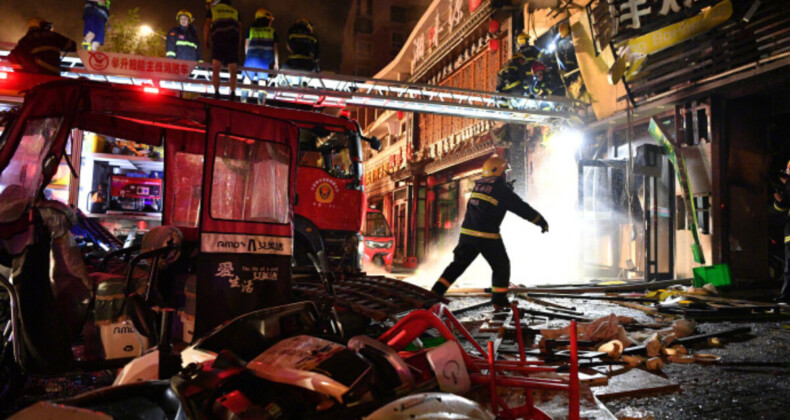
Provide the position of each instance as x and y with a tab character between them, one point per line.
711	74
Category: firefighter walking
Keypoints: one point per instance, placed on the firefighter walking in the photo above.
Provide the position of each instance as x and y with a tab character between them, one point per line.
182	41
491	198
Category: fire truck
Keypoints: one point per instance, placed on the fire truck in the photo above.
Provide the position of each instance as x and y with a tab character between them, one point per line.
329	182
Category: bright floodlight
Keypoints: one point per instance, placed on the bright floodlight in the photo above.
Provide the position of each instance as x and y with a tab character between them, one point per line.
145	30
568	139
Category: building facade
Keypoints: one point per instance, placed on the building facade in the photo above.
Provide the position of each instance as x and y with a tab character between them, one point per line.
423	175
374	34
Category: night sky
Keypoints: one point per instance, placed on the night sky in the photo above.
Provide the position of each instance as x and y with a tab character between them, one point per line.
328	18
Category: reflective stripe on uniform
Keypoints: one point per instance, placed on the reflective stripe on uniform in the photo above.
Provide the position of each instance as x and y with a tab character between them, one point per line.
262	33
488	198
45	48
512	85
536	219
171	54
445	282
310	37
787	239
779	209
187	44
300	56
487	235
499	289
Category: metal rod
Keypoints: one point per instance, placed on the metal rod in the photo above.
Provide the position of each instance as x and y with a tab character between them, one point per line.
521	356
573	398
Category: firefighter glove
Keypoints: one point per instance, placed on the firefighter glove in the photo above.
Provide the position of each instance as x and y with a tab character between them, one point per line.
544	226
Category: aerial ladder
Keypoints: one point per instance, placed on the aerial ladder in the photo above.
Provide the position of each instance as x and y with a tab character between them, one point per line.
333	90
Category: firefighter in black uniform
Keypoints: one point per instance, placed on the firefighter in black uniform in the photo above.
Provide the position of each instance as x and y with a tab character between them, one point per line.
515	75
303	46
39	50
545	83
182	41
782	205
491	198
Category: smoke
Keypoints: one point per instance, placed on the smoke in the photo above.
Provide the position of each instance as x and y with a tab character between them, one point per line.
535	258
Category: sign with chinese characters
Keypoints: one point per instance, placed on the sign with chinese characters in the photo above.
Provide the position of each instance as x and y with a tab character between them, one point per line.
629	18
676	33
233	284
250	275
446	19
136	65
244	244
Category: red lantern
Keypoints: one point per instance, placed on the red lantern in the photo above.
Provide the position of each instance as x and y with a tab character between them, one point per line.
474	4
399	115
431	181
493	45
431	196
493	26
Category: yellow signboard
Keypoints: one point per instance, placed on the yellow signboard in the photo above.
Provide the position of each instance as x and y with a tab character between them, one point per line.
676	33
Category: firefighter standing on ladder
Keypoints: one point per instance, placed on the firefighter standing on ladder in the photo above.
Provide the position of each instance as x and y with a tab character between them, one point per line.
260	50
491	198
223	35
515	76
182	41
39	50
303	46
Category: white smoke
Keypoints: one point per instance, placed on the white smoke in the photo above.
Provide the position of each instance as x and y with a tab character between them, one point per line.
535	258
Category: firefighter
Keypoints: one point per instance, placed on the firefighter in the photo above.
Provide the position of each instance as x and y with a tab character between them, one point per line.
39	50
182	41
515	76
222	32
95	15
491	198
782	205
260	49
544	82
303	46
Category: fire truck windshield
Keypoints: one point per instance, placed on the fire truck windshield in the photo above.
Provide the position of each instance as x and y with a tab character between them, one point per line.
332	151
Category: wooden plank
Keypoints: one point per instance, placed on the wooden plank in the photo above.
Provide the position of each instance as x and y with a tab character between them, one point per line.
634	383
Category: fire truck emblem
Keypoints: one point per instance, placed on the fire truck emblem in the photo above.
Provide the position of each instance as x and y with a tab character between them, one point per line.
324	193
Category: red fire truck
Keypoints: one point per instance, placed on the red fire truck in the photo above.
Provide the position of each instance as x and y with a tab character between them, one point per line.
329	183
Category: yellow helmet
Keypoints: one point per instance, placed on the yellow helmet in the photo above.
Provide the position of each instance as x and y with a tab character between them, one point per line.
306	22
495	166
263	13
186	13
522	40
564	29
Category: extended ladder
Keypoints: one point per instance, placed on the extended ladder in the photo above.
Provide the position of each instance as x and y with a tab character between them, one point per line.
332	90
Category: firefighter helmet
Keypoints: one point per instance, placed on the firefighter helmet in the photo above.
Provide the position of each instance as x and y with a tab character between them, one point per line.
538	66
184	12
263	13
522	40
495	166
38	23
306	23
564	29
